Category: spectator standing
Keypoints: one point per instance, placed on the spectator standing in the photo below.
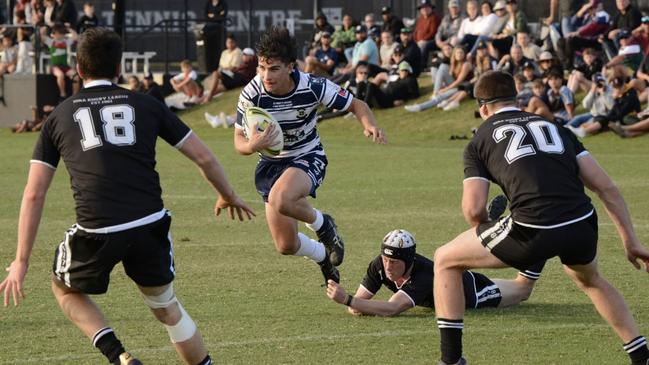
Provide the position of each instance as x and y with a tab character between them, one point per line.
216	13
49	12
25	61
88	19
425	29
391	22
65	13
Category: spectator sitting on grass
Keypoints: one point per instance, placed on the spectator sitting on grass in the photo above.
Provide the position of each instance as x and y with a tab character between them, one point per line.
629	131
149	86
514	61
386	49
580	77
599	101
185	82
134	83
625	104
396	92
630	54
559	98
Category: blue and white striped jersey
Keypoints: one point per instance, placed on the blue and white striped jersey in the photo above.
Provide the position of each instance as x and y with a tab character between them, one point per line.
295	111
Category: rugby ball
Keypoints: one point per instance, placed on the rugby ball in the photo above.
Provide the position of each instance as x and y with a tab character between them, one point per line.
263	119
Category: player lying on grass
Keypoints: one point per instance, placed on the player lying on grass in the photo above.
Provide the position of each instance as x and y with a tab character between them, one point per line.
285	181
410	277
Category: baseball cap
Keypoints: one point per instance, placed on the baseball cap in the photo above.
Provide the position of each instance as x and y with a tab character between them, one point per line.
423	3
500	4
511	1
624	33
619	81
528	64
645	19
406	30
360	29
598	78
386	10
148	76
405	66
546	56
454	3
398	49
249	51
481	45
325	33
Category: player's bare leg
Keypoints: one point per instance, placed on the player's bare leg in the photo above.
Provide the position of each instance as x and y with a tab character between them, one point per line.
607	300
464	252
183	333
85	314
286	205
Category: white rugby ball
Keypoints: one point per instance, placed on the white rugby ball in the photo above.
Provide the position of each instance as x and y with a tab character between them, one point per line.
263	119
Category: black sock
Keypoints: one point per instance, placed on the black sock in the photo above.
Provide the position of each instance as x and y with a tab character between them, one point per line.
206	361
451	339
637	350
106	341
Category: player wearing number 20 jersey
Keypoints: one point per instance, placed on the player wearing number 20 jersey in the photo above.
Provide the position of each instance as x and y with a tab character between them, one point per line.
535	163
109	150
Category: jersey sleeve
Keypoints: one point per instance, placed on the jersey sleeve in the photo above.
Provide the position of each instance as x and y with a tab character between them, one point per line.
418	288
580	150
334	97
173	130
372	280
474	167
45	151
247	98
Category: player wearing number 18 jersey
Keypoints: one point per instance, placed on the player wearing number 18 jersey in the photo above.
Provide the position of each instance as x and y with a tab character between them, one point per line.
107	137
542	168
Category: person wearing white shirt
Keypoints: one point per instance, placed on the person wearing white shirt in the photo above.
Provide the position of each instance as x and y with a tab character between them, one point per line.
471	26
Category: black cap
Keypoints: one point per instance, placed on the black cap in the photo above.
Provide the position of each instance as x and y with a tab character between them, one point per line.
406	30
555	72
481	45
423	3
360	29
528	64
398	49
148	76
619	81
386	10
623	33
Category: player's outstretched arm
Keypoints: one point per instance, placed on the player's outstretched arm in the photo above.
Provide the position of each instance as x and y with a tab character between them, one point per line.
397	304
257	141
366	117
213	172
596	179
31	210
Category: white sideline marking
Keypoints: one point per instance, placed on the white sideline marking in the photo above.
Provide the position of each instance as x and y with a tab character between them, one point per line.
268	340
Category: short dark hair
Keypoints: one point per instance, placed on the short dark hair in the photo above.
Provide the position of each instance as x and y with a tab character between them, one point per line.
99	53
231	36
495	86
277	43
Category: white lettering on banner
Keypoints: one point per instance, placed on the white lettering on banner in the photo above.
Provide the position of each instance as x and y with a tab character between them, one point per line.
262	19
148	18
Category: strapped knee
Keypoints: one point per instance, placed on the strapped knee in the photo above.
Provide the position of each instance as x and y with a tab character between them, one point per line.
185	328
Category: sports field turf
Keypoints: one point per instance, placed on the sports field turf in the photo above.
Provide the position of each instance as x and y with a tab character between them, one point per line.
255	306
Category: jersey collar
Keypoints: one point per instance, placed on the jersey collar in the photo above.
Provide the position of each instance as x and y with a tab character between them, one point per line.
94	83
507	109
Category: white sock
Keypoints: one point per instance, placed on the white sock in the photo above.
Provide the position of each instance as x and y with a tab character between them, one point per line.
317	224
310	248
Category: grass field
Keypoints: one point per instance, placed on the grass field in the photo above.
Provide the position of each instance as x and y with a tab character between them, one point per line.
254	306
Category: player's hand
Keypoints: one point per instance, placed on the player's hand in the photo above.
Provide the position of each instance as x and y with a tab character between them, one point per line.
336	292
12	286
637	256
377	134
260	141
234	205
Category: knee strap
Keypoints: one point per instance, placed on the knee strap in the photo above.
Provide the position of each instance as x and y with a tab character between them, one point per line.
184	329
164	300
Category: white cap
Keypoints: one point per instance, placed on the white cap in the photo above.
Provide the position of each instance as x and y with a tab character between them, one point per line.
500	4
399	238
249	51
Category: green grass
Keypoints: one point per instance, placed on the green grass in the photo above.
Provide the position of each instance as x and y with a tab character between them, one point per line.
255	306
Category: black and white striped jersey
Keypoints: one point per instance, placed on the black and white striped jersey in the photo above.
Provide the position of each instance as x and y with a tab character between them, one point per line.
295	111
534	161
106	135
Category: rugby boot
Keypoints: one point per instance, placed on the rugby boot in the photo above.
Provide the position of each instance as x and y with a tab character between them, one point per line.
334	245
329	271
497	207
462	361
128	359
